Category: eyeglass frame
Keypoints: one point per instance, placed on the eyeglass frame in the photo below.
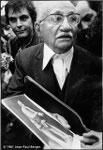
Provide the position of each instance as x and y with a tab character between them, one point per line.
62	16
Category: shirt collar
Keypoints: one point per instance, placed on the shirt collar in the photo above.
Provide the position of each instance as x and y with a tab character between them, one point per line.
48	54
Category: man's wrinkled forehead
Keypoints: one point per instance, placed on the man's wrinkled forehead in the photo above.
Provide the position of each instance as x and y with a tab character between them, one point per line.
62	9
59	5
49	7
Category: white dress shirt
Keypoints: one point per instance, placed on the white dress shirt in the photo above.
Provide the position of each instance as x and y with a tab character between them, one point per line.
61	63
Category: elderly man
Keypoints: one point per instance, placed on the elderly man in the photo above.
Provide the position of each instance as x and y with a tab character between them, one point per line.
66	70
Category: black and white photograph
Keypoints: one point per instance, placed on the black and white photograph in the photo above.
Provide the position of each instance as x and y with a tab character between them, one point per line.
40	122
51	74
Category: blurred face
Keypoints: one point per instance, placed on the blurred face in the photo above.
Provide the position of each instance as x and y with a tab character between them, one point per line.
8	32
58	29
87	14
21	23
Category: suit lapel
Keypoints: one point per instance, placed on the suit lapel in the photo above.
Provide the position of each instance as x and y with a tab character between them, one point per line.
48	80
45	77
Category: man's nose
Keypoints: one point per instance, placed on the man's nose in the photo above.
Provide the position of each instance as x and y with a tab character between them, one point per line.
19	24
65	24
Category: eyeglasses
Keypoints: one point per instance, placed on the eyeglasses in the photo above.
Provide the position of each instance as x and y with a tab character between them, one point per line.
55	19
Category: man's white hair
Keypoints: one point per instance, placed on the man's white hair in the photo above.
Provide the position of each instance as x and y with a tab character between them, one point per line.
81	5
43	8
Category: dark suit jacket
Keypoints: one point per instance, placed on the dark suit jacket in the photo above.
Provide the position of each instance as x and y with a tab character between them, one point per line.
82	88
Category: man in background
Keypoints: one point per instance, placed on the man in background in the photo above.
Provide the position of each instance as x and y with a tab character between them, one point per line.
90	27
21	16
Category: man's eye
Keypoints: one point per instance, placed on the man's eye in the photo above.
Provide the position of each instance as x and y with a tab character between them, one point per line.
58	18
7	27
24	18
73	19
13	20
88	17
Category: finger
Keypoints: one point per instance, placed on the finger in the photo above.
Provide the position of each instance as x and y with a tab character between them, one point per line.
86	147
88	140
82	145
94	147
91	135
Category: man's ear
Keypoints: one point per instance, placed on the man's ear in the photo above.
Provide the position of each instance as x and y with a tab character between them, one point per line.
37	28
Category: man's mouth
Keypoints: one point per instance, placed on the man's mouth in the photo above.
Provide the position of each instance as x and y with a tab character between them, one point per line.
64	37
20	31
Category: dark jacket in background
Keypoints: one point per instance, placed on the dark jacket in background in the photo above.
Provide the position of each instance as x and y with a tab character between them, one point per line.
15	44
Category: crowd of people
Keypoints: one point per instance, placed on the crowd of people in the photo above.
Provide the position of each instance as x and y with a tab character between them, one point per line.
35	38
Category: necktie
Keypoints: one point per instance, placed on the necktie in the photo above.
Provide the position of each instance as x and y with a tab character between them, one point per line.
59	69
